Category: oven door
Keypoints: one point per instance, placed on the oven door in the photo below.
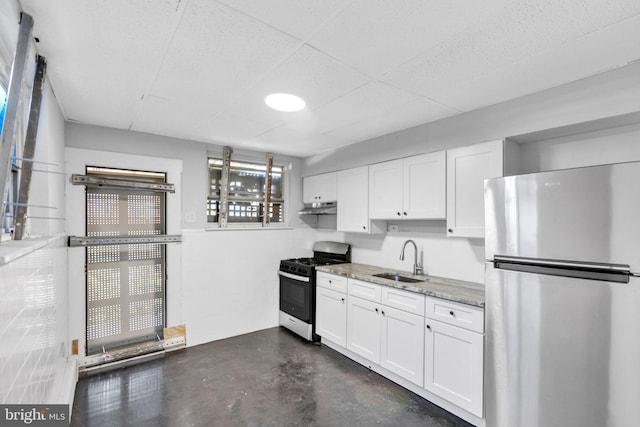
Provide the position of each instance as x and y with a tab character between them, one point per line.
295	296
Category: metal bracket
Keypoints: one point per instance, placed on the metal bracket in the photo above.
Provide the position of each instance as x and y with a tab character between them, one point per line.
266	219
30	148
224	186
92	181
83	241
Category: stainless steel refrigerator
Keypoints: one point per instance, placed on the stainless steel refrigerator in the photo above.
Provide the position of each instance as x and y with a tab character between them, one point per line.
563	298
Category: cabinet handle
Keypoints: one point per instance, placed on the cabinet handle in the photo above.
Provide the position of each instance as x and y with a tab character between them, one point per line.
404	213
452	313
376	310
330	282
364	227
342	299
429	327
398	213
383	312
450	230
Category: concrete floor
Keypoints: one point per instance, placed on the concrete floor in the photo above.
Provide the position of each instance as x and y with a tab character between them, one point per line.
266	378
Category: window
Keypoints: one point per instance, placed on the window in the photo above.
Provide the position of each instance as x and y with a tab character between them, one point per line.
246	200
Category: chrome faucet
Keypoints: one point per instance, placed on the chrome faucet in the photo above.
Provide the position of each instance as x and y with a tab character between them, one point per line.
417	268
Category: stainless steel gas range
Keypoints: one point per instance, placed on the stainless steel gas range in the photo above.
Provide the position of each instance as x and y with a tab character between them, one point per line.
298	286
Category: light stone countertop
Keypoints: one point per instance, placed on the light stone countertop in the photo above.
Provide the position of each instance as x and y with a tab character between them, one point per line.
453	290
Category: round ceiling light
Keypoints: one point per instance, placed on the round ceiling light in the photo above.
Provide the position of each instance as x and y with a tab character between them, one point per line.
285	102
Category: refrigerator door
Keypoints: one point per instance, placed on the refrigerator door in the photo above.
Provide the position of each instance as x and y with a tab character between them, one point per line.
585	214
561	351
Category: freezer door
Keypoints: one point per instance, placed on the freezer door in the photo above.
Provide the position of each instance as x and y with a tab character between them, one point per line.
585	214
561	351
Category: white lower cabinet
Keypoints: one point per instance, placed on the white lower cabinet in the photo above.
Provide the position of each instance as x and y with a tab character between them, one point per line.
331	307
386	336
331	315
363	328
453	359
401	344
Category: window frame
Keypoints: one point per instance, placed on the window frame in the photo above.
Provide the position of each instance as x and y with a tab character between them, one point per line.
257	160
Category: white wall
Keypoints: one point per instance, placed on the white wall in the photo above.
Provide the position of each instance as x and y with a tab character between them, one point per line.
601	96
48	188
230	281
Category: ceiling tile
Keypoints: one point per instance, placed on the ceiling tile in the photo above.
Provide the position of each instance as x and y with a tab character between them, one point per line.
369	100
525	30
572	61
293	143
222	52
165	117
299	18
308	73
102	55
376	35
403	116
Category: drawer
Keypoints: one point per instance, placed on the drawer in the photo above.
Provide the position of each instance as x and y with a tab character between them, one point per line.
364	290
331	281
456	314
403	300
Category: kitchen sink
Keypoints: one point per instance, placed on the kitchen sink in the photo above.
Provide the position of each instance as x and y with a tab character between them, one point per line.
398	277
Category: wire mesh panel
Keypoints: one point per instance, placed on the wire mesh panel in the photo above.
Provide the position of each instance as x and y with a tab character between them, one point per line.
125	283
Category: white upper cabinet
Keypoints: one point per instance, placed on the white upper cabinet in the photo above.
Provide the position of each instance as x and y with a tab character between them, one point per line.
467	168
320	188
425	186
385	190
353	202
410	188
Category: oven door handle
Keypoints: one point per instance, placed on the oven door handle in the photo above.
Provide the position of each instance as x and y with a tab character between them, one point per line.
294	277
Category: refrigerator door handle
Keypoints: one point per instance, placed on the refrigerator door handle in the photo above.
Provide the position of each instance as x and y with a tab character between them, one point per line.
619	273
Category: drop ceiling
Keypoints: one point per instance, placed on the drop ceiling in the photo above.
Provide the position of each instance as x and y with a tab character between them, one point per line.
200	69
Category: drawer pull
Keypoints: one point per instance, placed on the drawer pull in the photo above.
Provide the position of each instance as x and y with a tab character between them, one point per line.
383	312
452	313
376	310
342	299
330	281
429	327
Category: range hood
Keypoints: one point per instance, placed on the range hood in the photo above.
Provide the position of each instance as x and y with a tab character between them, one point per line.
316	208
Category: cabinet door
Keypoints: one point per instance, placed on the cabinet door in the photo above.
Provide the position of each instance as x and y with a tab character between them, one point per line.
363	328
467	168
385	190
353	200
331	315
454	365
402	344
320	188
424	186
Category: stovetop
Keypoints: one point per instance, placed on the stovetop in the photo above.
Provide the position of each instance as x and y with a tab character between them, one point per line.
304	266
324	253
